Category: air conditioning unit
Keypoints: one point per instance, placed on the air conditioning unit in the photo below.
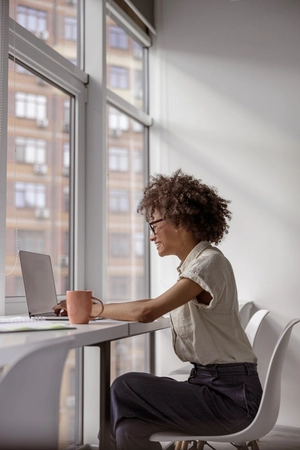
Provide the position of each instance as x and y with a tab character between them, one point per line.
65	171
64	261
40	169
115	132
42	213
42	123
43	35
66	127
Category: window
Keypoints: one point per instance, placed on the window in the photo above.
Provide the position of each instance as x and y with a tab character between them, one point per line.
119	245
118	77
70	28
31	106
126	62
127	276
139	244
118	159
39	196
120	288
118	201
138	161
30	195
117	38
34	20
35	240
138	84
117	122
58	24
66	159
137	50
30	150
44	119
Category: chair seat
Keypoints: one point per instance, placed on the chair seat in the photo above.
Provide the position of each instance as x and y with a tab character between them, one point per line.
268	410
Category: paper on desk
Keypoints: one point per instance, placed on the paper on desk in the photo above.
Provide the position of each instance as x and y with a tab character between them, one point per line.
40	325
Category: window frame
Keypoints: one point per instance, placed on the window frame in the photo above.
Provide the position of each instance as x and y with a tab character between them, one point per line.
27	49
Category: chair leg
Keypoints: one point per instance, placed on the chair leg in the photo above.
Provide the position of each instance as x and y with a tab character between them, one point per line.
178	445
254	445
200	445
184	445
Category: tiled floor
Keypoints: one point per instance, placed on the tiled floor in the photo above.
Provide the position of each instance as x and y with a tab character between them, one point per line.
281	438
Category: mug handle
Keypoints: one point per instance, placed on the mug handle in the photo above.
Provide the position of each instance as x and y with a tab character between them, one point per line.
101	303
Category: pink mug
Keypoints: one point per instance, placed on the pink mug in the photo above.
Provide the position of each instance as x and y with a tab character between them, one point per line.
79	306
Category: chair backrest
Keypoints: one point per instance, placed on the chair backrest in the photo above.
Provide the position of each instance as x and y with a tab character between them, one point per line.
267	414
30	395
254	324
245	312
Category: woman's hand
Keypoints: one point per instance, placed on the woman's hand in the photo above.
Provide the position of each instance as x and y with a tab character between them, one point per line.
61	308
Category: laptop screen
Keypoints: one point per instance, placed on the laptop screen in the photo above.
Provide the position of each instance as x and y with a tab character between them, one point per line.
38	282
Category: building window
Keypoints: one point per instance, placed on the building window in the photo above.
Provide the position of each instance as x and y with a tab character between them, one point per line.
30	150
30	195
32	240
139	244
137	50
117	122
119	288
118	77
66	198
138	84
70	28
138	161
119	245
118	159
31	106
117	38
32	19
118	201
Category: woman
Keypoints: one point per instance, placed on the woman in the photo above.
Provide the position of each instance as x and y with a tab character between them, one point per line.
223	391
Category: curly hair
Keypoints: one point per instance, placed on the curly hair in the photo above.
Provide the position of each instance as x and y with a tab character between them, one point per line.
187	202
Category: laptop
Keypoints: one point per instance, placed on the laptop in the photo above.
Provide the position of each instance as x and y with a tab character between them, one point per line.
39	285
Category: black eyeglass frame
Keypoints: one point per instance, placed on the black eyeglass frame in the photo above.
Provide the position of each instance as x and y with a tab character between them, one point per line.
153	223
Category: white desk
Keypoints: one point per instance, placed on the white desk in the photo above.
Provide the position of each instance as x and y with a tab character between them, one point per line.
98	333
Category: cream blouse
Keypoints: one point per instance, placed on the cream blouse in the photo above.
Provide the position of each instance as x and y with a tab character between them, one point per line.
210	334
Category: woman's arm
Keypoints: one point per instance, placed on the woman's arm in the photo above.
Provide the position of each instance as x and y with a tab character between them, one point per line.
150	309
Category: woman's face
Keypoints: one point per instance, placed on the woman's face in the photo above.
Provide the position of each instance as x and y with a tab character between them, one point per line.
164	236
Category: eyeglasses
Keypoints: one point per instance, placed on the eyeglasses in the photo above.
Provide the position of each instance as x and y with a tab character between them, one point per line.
154	222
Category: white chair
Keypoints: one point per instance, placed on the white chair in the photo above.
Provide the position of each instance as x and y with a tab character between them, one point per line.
251	330
30	395
254	324
245	311
267	413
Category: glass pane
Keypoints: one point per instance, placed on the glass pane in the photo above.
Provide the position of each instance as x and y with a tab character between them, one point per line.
55	22
37	176
126	272
125	64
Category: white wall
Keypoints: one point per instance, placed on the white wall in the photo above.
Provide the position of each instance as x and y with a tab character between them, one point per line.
226	107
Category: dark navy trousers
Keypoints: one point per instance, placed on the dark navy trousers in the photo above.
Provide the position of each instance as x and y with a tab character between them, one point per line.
216	399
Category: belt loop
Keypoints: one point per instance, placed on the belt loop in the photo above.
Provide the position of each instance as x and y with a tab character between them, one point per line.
216	375
248	368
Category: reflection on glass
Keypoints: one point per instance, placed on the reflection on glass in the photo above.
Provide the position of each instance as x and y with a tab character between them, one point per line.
55	22
37	176
126	274
125	64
